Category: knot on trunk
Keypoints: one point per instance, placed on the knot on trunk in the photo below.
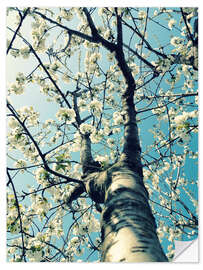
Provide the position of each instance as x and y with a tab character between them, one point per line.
96	185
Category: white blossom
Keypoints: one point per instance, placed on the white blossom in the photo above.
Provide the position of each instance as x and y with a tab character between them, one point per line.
118	118
104	160
171	23
96	106
142	14
25	52
66	14
66	114
13	123
176	41
20	163
66	78
97	136
16	88
82	104
87	128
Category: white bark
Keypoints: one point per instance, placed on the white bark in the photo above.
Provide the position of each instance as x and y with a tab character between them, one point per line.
128	226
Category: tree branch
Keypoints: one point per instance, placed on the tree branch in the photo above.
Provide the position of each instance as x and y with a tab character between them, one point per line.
42	156
45	70
140	57
95	35
19	216
18	29
186	24
86	159
70	31
119	30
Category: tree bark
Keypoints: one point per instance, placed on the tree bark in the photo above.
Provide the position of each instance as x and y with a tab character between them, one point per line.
128	226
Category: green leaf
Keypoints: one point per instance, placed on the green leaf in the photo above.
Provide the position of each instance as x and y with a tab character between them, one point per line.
60	166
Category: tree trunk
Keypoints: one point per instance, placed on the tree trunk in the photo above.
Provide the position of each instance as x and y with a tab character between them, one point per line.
128	226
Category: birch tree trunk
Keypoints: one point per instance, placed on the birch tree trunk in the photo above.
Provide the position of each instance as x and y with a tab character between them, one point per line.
128	226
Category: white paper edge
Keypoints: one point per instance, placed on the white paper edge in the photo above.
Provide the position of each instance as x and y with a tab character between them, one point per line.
187	252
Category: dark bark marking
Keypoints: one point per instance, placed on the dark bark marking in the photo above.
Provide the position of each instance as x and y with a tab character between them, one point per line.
139	249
